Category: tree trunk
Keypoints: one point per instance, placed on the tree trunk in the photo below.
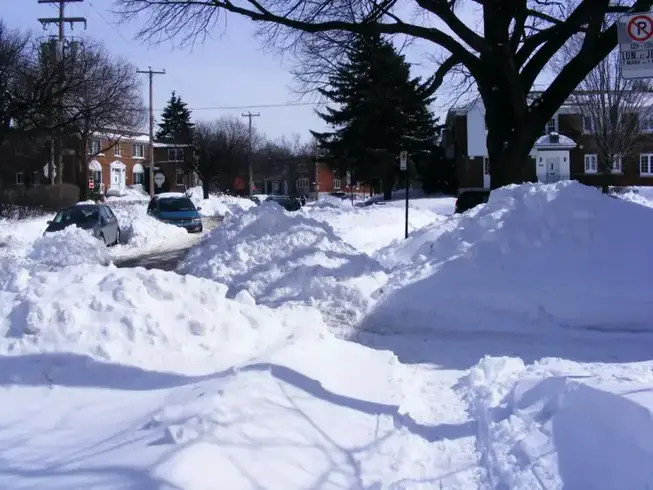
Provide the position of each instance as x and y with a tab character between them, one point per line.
509	150
388	180
205	188
84	193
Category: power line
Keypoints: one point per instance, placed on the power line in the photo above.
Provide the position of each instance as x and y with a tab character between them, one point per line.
243	107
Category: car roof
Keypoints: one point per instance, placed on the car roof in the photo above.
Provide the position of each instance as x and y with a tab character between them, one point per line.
170	195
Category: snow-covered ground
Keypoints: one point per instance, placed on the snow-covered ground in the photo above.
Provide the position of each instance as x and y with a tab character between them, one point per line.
508	347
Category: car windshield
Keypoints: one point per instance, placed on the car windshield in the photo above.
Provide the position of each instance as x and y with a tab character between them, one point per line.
167	205
78	214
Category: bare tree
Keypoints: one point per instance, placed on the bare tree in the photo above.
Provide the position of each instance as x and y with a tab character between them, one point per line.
106	101
221	149
519	39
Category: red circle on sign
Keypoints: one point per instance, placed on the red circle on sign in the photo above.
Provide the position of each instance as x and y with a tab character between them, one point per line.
640	28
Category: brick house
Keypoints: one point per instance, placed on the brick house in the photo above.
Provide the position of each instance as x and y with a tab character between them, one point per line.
566	150
297	176
116	162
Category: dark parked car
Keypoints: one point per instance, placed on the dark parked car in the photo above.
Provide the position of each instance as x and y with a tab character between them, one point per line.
470	199
287	202
97	218
176	209
339	194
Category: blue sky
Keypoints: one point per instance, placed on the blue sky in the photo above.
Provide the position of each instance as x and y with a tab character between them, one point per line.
229	70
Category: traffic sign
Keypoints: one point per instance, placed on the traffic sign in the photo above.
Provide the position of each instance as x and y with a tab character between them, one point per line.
403	160
348	178
635	34
640	28
159	179
91	184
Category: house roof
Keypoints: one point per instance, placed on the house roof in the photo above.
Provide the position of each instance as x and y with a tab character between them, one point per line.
553	141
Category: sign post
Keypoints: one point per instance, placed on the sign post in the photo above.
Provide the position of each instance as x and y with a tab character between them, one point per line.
91	184
351	189
635	35
403	166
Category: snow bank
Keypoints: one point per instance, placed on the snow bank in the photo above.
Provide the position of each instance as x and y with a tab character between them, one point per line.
282	257
560	431
17	236
535	258
135	193
218	205
140	230
128	315
70	246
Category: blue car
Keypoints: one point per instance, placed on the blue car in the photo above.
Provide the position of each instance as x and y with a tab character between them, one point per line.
176	209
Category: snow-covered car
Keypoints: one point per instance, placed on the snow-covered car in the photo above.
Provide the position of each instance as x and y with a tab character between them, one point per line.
97	218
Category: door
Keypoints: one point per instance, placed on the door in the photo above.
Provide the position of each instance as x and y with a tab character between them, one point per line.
486	172
552	169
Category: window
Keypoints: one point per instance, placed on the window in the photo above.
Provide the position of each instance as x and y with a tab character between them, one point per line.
117	150
96	175
20	178
336	184
96	147
302	183
179	177
588	124
138	178
551	126
175	154
139	151
36	177
616	165
590	164
646	164
302	168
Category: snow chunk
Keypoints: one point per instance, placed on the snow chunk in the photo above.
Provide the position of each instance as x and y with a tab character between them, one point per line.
534	258
281	257
243	296
70	246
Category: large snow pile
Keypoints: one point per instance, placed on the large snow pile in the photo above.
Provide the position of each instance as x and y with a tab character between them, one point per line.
369	228
538	257
128	315
281	257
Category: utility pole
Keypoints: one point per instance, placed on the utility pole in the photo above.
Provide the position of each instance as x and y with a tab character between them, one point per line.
150	73
61	21
250	115
317	170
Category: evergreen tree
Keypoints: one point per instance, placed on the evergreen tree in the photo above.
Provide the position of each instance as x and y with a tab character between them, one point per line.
380	111
175	125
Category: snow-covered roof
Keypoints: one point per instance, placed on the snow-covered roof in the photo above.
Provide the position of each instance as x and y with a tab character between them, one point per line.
170	195
554	140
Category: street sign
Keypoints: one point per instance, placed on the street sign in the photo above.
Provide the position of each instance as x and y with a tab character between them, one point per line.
403	160
635	34
159	179
91	184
